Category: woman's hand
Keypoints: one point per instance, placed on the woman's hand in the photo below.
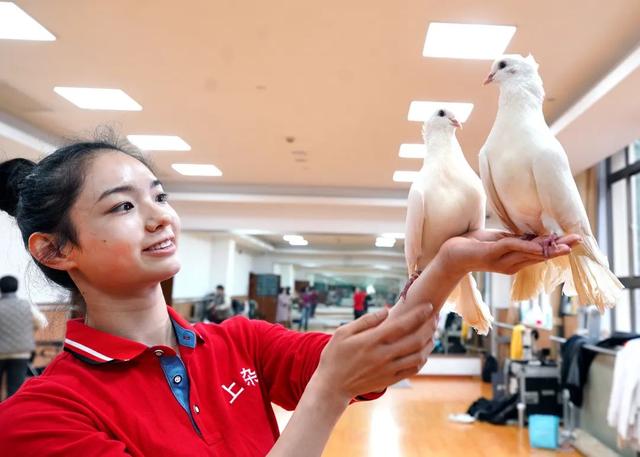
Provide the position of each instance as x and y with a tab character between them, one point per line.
364	356
499	251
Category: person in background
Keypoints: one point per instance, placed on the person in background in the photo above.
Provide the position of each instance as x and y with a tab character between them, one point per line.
217	308
368	301
313	301
305	308
358	302
283	311
18	320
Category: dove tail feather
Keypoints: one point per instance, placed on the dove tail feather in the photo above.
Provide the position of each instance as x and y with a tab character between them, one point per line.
469	304
528	282
585	273
594	283
538	278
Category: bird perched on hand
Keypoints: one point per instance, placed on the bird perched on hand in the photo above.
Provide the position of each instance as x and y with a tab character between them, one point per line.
526	174
445	200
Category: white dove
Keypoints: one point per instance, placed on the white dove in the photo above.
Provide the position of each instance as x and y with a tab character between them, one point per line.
526	174
446	199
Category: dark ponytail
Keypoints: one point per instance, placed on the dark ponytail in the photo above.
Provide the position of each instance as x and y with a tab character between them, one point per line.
40	196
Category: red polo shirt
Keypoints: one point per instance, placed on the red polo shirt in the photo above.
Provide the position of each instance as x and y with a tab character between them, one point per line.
110	396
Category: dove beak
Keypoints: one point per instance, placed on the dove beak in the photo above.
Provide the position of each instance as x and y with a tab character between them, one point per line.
455	122
489	79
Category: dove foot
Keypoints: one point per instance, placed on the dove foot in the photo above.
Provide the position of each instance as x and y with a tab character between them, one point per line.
412	278
548	242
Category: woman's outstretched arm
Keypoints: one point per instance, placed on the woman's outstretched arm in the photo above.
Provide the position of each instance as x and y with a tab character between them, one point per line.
374	352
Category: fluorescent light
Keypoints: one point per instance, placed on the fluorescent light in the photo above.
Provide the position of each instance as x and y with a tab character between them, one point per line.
196	169
159	142
298	242
397	236
292	237
404	176
15	24
92	98
383	242
412	151
467	41
423	110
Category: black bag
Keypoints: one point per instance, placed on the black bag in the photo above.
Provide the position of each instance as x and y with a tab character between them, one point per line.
490	367
496	412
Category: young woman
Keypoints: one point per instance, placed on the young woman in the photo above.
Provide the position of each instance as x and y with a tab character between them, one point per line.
136	379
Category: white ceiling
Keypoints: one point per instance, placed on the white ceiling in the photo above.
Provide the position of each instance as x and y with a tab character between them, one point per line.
235	79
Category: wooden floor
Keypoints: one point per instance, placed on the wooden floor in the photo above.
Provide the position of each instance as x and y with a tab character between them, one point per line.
412	421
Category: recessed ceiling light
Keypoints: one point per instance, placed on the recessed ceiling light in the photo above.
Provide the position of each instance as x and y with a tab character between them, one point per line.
92	98
292	238
467	41
298	242
412	151
423	110
15	24
159	142
383	242
404	176
194	169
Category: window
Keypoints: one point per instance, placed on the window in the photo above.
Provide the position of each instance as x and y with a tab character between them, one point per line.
623	230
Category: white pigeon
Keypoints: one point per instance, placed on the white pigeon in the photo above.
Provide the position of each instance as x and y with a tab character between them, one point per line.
446	199
526	174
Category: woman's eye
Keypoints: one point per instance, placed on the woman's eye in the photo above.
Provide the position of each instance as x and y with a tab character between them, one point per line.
162	197
126	206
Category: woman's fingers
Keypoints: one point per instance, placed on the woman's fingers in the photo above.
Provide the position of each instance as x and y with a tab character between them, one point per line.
402	325
507	245
570	240
368	321
411	343
411	363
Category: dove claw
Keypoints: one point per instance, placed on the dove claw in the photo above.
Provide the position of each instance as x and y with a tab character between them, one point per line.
410	281
548	242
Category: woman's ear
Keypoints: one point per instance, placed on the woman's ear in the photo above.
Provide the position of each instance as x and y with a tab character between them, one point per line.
44	248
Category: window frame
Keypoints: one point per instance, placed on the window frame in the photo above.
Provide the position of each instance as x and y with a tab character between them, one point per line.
632	281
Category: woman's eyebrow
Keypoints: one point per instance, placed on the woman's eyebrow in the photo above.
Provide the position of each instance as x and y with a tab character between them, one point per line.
126	188
115	190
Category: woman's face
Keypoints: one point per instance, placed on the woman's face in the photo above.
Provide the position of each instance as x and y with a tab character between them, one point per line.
127	232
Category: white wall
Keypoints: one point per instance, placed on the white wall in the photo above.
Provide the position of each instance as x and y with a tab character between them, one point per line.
500	290
242	267
208	261
16	261
195	276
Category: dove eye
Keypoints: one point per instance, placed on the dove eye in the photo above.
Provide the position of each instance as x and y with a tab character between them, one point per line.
441	113
502	64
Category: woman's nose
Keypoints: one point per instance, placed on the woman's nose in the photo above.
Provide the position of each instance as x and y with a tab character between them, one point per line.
158	219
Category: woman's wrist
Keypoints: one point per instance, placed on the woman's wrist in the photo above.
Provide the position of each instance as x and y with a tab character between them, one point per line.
447	267
330	395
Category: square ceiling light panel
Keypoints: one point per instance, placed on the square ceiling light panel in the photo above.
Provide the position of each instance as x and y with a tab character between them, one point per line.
159	142
383	242
194	169
404	176
467	41
98	99
423	110
15	24
412	151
